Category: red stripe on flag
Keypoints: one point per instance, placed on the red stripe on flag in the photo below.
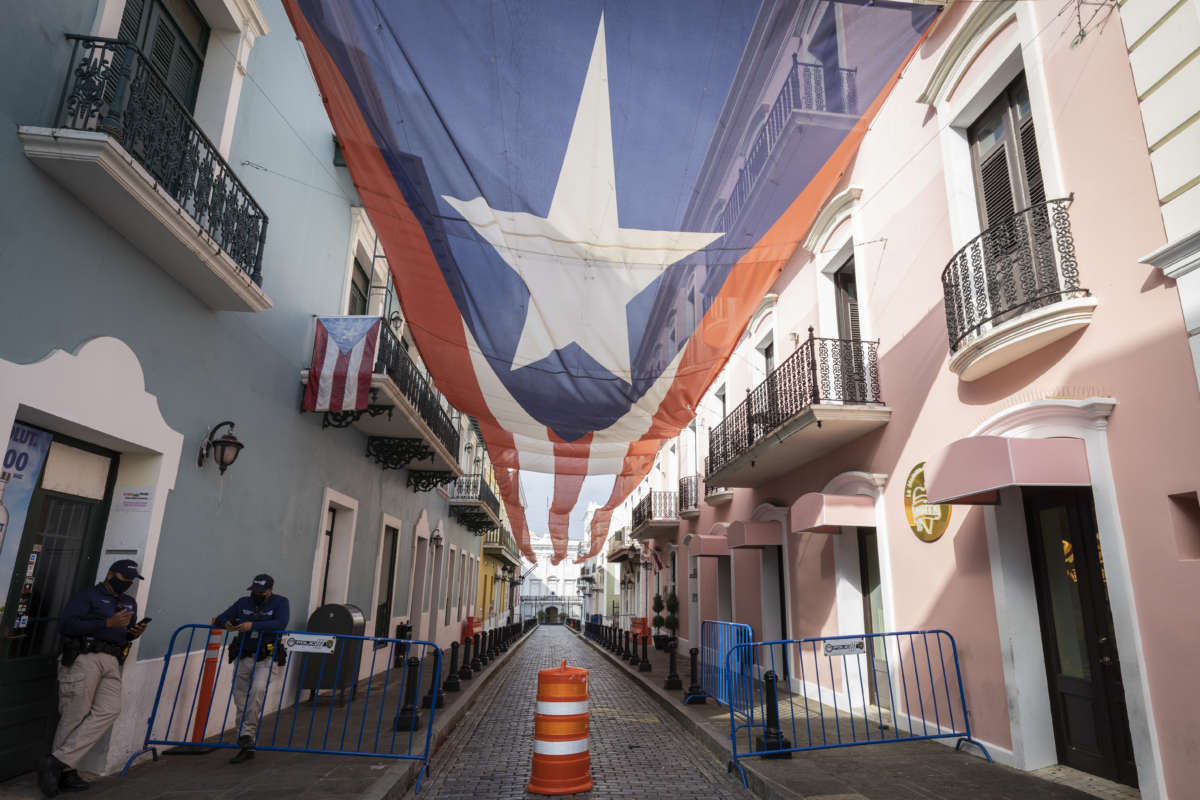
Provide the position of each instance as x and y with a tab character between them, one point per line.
320	342
366	367
337	392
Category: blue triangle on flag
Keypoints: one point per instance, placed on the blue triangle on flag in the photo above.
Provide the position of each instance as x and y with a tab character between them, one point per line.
346	332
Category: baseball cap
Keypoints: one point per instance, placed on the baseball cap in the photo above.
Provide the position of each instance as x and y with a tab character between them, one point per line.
261	582
127	568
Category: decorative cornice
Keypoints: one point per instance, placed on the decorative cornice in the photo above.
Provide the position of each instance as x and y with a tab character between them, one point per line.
1089	413
835	210
965	42
1176	258
1027	333
865	483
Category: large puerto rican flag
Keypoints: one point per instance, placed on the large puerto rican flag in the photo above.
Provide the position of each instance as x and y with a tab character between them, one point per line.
343	360
532	169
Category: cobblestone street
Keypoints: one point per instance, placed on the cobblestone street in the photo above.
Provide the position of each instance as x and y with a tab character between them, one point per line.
637	751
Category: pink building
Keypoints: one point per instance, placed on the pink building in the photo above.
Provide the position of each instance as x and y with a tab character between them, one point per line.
968	401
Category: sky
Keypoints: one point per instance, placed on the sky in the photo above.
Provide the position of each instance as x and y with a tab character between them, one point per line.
539	491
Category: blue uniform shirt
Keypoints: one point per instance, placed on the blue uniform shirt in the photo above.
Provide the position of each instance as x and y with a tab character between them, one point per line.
86	612
272	615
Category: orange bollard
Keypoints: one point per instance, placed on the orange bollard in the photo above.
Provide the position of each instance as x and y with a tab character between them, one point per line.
561	763
207	680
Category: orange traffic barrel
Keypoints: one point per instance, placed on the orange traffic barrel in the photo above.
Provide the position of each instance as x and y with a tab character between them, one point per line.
561	763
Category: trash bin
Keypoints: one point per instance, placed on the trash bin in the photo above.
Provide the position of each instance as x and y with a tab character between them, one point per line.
337	670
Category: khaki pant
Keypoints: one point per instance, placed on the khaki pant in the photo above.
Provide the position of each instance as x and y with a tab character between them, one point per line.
249	691
89	702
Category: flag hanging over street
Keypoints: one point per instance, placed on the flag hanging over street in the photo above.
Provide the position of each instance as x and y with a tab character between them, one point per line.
343	360
545	178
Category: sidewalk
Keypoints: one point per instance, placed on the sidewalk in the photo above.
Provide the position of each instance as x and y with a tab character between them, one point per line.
299	776
894	771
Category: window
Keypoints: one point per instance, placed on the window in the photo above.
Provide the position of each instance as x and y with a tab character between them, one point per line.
462	584
721	399
383	612
174	36
768	353
1004	154
360	289
847	302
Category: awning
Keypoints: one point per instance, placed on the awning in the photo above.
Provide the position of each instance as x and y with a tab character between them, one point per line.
973	470
752	533
707	546
829	513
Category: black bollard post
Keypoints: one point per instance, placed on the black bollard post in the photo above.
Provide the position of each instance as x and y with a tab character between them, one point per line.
435	695
495	643
634	658
625	646
645	665
452	683
673	682
476	659
772	738
409	717
694	693
466	673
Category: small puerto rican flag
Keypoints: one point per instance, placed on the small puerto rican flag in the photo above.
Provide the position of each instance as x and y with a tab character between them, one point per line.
343	360
658	565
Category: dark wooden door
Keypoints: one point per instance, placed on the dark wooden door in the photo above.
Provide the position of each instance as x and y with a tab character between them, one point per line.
873	622
1087	696
58	555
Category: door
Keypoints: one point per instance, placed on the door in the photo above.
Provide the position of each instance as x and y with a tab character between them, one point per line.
849	363
416	602
58	555
872	600
383	612
1087	697
433	595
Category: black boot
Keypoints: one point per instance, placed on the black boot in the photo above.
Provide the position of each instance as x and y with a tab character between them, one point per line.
49	772
247	751
71	782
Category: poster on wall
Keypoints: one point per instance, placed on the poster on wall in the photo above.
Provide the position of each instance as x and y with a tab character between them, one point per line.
22	464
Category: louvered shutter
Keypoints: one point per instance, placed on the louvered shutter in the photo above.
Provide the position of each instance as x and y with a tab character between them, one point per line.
1033	167
847	297
173	59
131	21
995	186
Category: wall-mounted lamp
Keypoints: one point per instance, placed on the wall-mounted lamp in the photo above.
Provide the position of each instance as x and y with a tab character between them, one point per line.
224	451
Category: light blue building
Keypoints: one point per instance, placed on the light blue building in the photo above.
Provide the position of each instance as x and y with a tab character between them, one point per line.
174	220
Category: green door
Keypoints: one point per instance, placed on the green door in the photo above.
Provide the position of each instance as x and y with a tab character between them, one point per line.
58	555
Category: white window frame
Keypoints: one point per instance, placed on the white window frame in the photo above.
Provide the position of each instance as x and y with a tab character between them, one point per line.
388	521
344	526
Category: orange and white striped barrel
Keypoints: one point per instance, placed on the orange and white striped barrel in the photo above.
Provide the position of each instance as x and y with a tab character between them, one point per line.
561	762
208	678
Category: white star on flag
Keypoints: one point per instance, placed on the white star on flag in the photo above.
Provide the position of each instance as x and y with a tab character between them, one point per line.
581	268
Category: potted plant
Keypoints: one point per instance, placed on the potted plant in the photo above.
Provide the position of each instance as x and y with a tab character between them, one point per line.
671	622
660	639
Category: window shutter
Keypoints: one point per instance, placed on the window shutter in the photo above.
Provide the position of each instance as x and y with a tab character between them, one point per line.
1033	167
996	187
172	58
847	297
131	21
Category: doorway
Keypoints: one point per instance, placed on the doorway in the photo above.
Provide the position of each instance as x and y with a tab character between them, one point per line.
1087	695
58	555
873	620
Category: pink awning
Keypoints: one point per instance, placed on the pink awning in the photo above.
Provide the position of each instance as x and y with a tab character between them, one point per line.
973	470
829	513
707	546
754	534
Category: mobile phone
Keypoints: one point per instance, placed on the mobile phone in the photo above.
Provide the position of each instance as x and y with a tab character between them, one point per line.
144	620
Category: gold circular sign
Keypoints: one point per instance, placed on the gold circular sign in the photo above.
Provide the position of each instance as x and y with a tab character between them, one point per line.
928	522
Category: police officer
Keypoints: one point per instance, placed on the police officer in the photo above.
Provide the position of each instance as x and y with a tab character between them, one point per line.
256	618
96	627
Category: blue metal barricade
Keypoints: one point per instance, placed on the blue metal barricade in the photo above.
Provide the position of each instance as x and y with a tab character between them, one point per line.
844	691
258	687
717	671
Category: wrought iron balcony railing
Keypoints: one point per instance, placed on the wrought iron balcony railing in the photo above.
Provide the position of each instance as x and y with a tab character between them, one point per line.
1021	263
808	87
474	487
689	493
655	506
113	88
842	371
503	538
394	361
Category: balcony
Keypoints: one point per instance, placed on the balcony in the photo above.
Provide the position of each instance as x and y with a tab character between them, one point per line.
474	504
715	495
656	515
1013	290
407	425
810	96
619	546
689	500
824	395
500	543
125	146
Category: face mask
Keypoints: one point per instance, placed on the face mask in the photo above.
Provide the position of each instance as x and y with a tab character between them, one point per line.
119	585
258	597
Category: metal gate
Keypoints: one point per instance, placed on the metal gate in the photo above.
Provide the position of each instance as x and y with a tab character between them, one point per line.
206	697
